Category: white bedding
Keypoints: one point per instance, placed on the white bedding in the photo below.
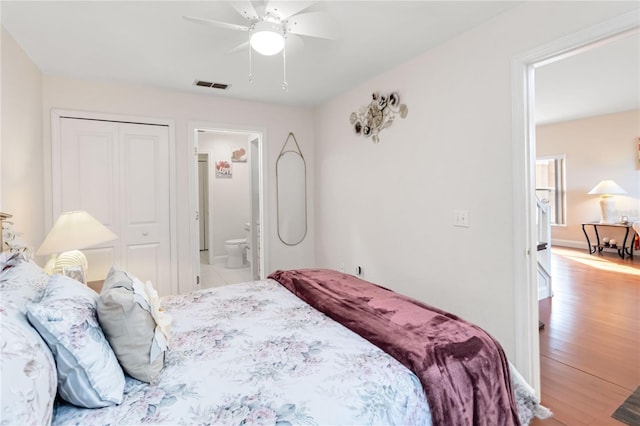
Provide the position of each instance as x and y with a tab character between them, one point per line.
254	353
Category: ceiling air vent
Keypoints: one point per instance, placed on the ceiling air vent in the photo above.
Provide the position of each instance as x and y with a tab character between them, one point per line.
220	86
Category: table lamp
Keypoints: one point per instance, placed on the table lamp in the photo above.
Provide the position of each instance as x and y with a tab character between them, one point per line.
73	231
606	189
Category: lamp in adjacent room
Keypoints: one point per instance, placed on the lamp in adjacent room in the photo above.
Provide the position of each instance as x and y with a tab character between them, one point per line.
73	231
606	189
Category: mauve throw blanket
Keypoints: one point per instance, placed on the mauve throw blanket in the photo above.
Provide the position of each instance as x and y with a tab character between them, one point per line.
464	371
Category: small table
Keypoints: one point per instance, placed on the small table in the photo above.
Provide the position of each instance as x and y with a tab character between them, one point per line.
622	249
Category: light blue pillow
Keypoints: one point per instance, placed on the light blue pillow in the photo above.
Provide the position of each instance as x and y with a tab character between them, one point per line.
88	372
21	281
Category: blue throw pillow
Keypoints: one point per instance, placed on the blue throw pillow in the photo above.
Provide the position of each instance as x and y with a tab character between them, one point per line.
88	372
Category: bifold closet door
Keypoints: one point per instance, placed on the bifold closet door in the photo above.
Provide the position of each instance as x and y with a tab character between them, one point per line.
119	173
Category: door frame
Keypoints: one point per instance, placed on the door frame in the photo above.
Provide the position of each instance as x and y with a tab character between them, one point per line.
194	126
527	356
52	204
210	200
206	203
256	241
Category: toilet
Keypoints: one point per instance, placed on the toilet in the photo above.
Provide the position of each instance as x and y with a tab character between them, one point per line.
236	253
237	250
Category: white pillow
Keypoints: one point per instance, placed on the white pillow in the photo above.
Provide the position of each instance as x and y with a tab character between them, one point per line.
88	372
132	320
28	373
27	369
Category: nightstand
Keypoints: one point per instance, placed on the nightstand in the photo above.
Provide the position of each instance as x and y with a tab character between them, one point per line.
96	285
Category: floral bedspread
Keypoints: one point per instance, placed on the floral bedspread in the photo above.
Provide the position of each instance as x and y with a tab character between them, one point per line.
255	354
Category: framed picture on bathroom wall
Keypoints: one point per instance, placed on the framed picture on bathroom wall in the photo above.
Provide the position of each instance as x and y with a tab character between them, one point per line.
238	155
223	169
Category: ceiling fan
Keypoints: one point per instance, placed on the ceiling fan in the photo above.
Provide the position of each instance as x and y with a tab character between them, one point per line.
271	23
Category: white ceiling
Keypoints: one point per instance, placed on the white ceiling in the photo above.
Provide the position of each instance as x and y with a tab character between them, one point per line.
149	43
600	80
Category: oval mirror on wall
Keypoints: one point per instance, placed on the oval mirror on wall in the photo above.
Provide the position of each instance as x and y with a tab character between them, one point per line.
291	187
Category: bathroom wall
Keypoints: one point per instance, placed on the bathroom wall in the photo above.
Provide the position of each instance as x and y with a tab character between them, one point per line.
229	197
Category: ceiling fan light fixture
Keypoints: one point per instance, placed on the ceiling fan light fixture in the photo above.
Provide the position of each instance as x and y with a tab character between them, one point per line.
267	38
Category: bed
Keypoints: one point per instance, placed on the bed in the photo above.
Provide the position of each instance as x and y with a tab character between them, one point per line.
250	353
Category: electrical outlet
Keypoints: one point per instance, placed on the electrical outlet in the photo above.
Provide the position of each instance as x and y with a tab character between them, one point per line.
461	218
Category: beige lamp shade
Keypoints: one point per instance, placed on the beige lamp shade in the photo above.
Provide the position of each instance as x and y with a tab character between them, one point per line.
607	187
75	230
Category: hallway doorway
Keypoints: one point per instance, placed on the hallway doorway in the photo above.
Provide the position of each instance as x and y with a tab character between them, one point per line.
527	351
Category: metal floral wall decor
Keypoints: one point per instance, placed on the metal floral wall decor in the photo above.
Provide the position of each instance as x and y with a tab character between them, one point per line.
378	115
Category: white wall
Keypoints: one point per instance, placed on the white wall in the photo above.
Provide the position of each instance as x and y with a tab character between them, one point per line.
229	197
597	148
278	121
388	207
21	157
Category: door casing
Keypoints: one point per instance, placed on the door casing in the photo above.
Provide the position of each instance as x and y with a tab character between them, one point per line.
527	357
262	241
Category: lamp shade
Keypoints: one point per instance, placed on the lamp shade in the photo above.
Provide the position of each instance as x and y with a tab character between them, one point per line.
267	38
607	187
75	230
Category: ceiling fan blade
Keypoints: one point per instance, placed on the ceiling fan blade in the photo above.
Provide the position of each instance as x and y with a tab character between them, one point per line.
294	44
245	9
242	47
314	24
225	25
285	9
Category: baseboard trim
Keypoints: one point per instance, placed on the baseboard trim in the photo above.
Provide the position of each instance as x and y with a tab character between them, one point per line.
569	243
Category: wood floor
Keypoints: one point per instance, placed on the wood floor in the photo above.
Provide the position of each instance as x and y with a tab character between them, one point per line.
590	346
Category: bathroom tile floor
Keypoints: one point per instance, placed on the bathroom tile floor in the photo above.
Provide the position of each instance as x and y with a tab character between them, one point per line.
217	275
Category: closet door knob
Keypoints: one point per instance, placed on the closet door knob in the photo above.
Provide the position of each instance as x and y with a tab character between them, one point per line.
145	233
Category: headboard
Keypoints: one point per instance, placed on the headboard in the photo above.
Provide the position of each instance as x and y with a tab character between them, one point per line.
3	216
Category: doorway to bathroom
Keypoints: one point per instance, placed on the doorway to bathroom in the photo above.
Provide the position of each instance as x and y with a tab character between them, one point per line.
228	196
